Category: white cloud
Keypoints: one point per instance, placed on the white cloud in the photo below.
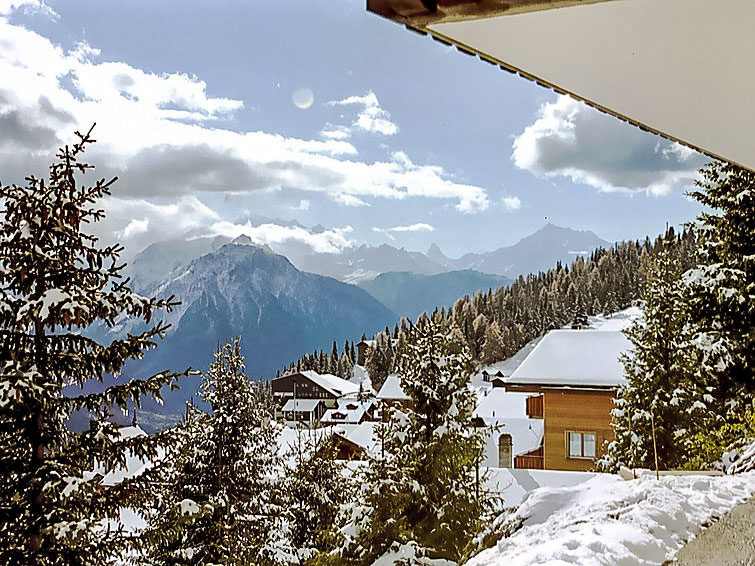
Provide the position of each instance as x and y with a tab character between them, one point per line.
348	200
304	204
154	132
139	222
136	226
418	227
371	118
28	6
571	139
512	203
334	132
332	240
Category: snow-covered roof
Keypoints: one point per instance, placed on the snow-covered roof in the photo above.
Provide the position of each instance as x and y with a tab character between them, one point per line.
363	435
509	365
351	409
499	403
301	405
576	358
391	389
333	384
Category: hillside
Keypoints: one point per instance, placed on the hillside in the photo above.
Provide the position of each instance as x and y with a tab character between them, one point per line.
409	294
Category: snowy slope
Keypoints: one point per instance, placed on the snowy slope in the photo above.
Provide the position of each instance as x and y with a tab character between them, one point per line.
609	521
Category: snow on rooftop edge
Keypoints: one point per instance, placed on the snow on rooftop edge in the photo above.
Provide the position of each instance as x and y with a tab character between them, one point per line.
575	358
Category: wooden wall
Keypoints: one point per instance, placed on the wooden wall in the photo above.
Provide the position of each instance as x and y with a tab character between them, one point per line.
575	411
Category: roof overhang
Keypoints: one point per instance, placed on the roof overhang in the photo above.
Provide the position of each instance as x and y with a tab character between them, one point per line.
679	68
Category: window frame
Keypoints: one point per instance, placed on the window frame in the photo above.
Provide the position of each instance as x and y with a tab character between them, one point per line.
581	434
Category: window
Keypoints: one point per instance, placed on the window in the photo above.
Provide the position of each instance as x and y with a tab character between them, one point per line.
581	444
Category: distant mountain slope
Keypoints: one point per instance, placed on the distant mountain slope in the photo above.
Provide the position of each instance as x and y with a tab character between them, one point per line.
534	253
280	312
364	262
155	263
409	294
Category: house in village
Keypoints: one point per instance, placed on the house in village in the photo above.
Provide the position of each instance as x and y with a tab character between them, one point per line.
350	410
305	396
391	395
511	434
571	378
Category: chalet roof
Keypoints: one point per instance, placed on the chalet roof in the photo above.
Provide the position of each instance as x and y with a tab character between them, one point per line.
301	405
574	358
331	383
349	415
362	435
391	389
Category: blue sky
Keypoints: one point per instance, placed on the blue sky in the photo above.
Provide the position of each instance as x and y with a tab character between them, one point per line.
396	138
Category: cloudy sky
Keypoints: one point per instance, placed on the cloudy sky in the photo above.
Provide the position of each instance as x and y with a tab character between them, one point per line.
230	118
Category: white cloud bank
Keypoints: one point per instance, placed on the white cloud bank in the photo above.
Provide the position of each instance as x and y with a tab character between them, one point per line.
332	240
573	140
159	134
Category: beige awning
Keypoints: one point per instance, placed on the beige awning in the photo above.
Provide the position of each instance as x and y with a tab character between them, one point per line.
684	69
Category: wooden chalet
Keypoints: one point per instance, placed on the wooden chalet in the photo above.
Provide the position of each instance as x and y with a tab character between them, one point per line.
572	376
310	386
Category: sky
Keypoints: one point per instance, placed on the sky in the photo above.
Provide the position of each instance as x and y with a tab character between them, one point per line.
319	123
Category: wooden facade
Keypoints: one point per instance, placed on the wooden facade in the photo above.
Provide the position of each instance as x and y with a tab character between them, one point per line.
299	386
579	411
532	460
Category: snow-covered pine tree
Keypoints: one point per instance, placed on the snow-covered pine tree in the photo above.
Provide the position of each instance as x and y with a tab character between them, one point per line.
315	488
222	503
580	315
379	360
722	286
422	486
663	376
56	280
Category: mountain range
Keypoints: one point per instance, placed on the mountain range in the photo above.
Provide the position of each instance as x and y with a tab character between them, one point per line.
234	287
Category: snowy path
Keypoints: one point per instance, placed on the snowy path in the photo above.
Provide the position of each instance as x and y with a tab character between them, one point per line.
612	522
728	542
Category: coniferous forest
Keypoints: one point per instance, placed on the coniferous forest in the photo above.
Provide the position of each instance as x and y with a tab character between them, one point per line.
215	489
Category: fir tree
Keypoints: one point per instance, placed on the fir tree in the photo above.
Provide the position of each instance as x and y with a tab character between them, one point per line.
221	505
379	360
56	280
492	348
315	489
665	389
422	487
721	286
580	316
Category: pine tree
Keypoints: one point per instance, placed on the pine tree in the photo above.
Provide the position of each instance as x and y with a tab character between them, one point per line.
220	505
721	286
422	487
580	316
315	489
492	348
379	360
56	280
665	388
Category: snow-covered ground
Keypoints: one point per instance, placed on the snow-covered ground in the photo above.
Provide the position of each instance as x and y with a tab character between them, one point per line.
620	320
609	521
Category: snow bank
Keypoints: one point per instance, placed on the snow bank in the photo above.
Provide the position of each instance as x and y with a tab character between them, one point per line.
607	520
741	460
